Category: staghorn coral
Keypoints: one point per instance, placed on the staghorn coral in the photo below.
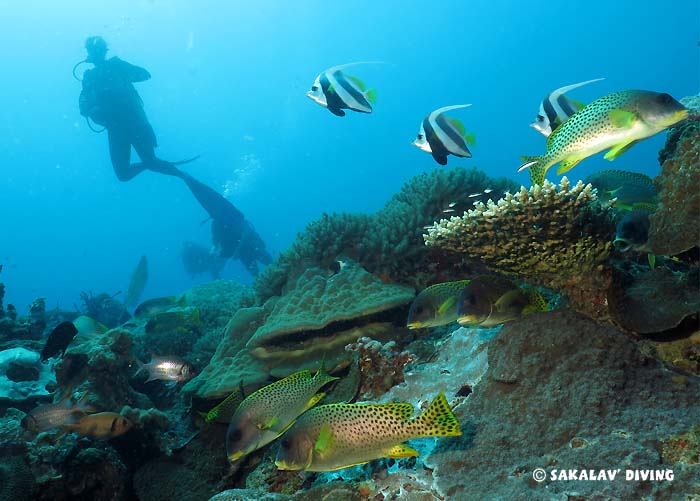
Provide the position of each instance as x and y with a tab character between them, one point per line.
675	226
388	243
557	237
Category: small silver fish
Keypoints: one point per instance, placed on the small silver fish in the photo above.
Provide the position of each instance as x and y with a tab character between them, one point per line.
46	417
166	369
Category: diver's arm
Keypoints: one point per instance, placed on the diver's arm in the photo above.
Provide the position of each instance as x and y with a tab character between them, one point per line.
130	71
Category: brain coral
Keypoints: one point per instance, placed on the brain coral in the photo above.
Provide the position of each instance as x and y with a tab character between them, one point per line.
558	237
388	243
323	312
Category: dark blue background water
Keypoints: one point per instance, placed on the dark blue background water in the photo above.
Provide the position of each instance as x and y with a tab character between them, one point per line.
228	83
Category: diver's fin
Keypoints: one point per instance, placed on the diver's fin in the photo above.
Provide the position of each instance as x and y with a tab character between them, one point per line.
618	150
182	162
401	451
567	164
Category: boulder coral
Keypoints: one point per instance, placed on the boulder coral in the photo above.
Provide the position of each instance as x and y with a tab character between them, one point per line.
675	226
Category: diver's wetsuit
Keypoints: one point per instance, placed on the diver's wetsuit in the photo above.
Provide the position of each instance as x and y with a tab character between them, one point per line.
110	99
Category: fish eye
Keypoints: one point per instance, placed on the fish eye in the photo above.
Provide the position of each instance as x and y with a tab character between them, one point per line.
665	98
419	136
235	435
286	443
314	88
540	118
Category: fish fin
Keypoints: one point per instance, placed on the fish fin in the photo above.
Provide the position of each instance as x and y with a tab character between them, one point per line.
401	451
537	170
441	159
371	96
567	164
446	305
337	112
537	302
457	124
622	119
268	424
314	400
578	105
204	415
506	299
650	206
322	376
437	420
652	260
470	139
360	84
618	150
325	439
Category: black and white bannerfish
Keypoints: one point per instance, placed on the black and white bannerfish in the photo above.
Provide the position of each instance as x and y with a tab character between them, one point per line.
441	136
337	91
556	108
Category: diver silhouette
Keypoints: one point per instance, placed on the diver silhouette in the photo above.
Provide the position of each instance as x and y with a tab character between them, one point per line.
109	98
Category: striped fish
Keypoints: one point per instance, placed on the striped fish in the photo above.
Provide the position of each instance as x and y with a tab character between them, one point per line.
337	91
442	136
556	108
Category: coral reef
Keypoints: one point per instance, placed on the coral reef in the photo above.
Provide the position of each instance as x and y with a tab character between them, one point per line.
557	237
23	376
16	479
683	354
231	364
381	366
553	377
388	243
675	226
104	308
656	300
683	448
321	314
314	319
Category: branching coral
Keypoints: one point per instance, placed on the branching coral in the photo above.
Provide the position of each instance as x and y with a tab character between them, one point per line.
558	237
389	243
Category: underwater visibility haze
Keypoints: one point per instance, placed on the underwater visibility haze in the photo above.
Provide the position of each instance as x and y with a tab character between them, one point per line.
364	250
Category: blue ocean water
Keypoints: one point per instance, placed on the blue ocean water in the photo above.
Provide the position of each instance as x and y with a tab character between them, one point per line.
228	82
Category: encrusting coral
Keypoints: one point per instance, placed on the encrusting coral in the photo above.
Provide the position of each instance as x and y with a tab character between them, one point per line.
675	225
553	236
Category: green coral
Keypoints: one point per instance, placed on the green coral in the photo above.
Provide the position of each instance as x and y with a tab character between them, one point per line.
388	243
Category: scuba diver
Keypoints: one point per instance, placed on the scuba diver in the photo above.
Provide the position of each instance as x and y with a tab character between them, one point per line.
109	99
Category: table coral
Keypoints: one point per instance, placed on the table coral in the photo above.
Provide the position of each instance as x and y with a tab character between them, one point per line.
557	237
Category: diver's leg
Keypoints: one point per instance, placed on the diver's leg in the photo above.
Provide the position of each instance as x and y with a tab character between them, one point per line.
145	144
120	153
